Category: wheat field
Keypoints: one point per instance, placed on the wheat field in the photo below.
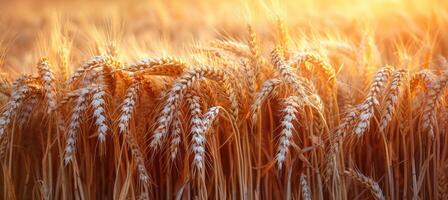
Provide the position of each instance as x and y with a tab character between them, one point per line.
209	99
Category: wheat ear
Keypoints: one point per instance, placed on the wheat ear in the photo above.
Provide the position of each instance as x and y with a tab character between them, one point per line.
176	93
392	97
156	64
433	96
47	77
98	103
367	108
128	106
306	191
291	106
138	156
367	182
266	90
75	123
19	92
324	67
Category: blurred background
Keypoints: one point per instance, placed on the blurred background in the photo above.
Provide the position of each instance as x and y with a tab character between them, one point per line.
31	29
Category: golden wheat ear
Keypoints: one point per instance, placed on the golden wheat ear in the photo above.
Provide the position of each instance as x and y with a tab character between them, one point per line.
433	96
47	77
367	182
21	89
391	100
367	108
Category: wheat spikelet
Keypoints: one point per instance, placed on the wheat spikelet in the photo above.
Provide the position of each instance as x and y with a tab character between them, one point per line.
367	182
163	62
291	104
368	106
97	104
433	96
392	98
128	105
138	156
306	191
47	77
75	123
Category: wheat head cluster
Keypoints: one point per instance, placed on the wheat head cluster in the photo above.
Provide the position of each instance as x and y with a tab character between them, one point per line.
182	100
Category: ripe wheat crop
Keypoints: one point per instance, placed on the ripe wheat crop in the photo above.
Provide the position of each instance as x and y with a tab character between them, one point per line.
224	99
